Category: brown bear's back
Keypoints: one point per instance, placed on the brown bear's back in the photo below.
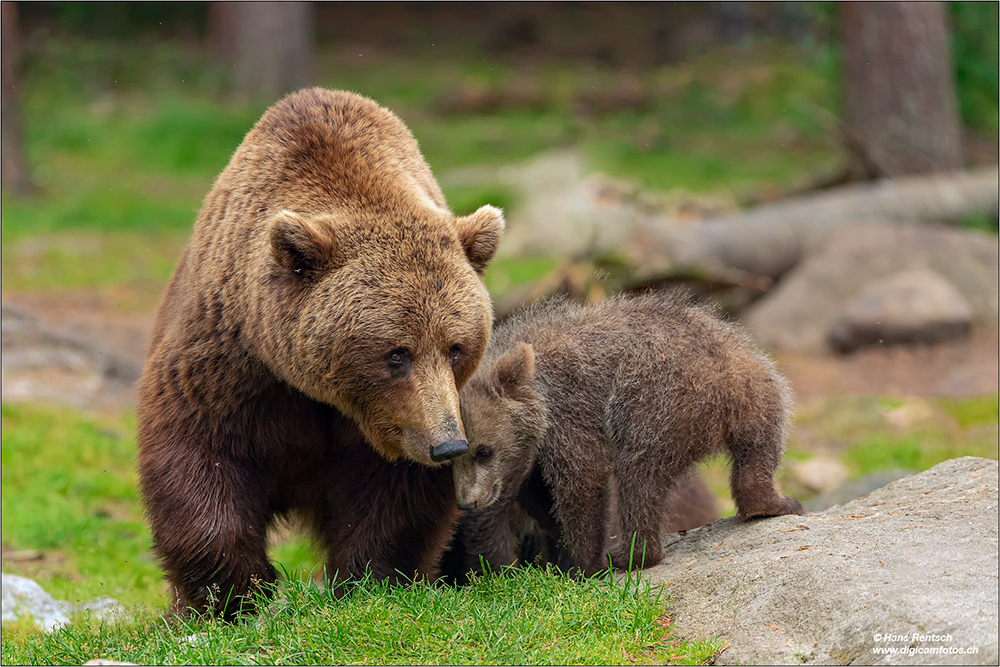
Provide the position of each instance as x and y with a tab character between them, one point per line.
614	362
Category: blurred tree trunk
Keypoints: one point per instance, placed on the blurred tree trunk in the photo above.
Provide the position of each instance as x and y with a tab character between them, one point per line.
14	170
901	107
267	44
222	31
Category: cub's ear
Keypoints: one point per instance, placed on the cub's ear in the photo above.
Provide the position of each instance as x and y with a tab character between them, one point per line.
304	247
515	370
479	233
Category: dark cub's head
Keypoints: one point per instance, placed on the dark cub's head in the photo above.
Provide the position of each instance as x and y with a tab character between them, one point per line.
504	413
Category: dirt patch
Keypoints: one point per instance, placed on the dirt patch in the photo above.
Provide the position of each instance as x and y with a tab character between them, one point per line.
962	368
98	317
76	350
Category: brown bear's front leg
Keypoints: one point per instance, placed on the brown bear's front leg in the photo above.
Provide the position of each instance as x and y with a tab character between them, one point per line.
489	539
208	517
579	475
392	519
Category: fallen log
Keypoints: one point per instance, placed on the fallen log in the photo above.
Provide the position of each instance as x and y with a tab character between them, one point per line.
605	245
770	239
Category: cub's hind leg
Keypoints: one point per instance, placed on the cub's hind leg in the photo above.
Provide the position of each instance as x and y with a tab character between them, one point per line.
755	446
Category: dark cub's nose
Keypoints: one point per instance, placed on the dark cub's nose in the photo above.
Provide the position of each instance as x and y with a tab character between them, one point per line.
447	451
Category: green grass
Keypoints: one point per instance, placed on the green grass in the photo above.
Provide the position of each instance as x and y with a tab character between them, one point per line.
872	433
972	412
69	492
573	623
950	428
529	617
740	119
126	262
508	272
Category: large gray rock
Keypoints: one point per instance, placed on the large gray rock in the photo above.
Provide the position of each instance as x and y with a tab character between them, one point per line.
854	489
914	559
800	311
916	306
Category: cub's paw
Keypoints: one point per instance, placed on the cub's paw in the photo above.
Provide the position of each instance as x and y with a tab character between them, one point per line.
779	506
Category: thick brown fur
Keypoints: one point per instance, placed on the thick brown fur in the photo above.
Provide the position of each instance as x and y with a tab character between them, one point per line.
309	350
635	389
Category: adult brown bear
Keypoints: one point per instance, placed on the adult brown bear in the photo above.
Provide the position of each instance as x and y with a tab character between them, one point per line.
308	354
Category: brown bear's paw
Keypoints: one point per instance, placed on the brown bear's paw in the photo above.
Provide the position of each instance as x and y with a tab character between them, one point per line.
779	506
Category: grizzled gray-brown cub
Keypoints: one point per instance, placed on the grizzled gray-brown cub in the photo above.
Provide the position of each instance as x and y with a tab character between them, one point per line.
635	389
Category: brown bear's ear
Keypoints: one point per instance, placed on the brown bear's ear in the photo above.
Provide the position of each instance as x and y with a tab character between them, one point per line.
300	245
514	370
479	234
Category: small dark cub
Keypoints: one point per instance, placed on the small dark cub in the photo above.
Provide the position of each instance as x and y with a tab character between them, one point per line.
639	389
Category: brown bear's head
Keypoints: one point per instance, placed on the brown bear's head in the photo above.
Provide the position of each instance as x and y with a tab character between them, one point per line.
365	291
504	413
386	321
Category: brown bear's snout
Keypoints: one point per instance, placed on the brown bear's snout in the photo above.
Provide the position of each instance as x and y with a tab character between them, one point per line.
467	506
447	451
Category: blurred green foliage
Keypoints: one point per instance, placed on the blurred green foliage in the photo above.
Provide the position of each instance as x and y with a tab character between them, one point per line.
875	433
126	135
120	20
127	120
972	412
126	128
975	48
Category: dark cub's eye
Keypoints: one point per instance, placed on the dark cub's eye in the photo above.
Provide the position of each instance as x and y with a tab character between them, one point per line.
483	454
454	353
398	357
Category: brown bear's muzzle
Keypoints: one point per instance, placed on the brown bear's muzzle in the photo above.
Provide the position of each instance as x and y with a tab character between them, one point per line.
447	451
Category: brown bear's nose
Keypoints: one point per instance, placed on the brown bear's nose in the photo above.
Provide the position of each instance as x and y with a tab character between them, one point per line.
467	506
447	451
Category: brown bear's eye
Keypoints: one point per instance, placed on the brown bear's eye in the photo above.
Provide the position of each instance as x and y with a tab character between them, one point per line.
398	357
454	353
483	454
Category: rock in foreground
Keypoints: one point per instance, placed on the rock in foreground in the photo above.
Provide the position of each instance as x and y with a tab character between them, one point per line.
24	597
911	566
